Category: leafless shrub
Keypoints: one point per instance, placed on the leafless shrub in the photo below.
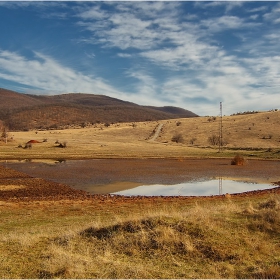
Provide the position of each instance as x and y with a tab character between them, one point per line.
178	138
192	140
28	146
211	119
61	145
214	140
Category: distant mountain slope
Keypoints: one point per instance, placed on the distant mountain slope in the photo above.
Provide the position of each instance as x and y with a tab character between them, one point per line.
11	99
25	111
175	111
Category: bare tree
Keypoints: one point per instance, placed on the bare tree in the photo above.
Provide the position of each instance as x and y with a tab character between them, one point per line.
4	135
214	140
192	140
178	138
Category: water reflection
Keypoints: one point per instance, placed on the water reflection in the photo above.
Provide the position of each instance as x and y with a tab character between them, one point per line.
151	177
197	188
220	185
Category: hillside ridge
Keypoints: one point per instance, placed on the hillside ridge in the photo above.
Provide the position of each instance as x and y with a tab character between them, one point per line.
26	111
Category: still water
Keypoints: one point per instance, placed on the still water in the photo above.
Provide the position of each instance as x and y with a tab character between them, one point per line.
148	177
198	188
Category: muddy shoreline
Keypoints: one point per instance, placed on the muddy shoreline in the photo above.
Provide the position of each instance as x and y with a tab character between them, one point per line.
19	186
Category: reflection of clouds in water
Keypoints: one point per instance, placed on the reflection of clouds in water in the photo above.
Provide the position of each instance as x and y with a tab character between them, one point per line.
86	175
195	188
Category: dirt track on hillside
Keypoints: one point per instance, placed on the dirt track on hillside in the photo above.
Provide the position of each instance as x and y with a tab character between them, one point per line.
17	186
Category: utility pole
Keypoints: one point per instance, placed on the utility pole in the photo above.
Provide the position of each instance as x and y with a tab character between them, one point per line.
221	128
220	145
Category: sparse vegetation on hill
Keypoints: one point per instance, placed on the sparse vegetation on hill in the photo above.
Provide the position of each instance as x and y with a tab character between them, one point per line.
245	113
178	138
133	139
25	112
249	131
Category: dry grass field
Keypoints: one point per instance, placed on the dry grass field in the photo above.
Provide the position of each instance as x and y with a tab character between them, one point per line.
214	237
198	238
254	134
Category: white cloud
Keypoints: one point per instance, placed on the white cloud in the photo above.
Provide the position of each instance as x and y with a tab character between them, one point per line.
197	71
274	15
125	55
254	17
227	22
93	13
202	73
258	9
45	73
135	25
228	5
30	4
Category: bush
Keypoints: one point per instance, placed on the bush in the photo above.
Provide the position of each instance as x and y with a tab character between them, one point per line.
211	119
61	145
178	138
192	140
238	160
214	140
28	146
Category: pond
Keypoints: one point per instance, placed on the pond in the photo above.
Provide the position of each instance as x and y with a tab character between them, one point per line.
198	188
154	177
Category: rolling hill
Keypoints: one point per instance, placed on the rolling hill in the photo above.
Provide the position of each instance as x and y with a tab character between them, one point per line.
24	111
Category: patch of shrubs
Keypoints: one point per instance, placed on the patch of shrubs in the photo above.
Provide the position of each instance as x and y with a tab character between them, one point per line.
214	140
211	119
60	145
245	113
178	138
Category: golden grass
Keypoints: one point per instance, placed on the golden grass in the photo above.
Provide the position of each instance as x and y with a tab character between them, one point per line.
11	187
254	135
230	238
177	240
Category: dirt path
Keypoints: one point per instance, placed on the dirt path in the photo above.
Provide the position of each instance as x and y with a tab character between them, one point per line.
157	132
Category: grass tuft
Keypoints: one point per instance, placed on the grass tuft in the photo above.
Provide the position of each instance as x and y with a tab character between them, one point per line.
178	240
272	203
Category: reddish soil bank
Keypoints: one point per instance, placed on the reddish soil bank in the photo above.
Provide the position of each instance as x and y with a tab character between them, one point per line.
17	186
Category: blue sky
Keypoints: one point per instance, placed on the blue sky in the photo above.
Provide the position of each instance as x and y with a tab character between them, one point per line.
188	54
